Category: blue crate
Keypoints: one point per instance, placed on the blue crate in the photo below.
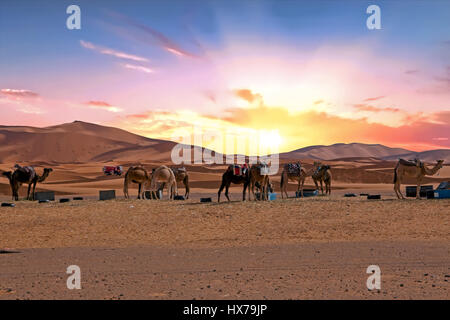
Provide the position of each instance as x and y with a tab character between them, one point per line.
272	196
442	194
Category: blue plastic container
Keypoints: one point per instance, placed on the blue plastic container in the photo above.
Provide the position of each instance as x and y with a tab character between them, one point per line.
272	196
442	194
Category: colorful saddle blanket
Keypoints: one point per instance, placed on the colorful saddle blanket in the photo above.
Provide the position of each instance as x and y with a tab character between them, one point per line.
240	170
293	168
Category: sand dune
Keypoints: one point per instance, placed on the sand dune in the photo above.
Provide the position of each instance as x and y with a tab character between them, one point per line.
79	142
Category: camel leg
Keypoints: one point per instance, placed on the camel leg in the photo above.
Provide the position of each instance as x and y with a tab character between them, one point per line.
252	188
28	192
396	190
244	191
220	191
266	189
186	186
33	192
418	189
317	185
321	186
399	185
301	187
139	191
283	182
226	192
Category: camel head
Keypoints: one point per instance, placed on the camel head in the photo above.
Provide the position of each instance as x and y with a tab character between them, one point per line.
45	174
440	163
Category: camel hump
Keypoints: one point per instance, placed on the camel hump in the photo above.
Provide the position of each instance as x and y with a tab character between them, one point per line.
408	163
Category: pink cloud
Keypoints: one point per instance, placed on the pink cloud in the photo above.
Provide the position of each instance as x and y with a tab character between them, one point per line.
19	93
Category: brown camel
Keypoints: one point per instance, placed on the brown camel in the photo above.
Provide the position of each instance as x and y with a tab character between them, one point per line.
229	177
259	173
322	174
164	175
417	170
138	175
181	175
296	175
25	175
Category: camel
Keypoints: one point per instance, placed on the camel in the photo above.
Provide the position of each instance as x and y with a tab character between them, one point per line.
164	175
323	175
137	175
417	170
25	175
299	176
258	173
229	177
181	175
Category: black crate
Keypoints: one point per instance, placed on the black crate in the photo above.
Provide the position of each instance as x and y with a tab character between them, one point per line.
47	195
411	191
107	194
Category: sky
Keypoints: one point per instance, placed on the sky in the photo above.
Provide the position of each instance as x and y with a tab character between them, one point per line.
297	73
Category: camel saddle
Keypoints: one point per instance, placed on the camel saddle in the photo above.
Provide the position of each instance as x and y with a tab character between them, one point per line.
240	170
293	168
414	163
175	170
28	170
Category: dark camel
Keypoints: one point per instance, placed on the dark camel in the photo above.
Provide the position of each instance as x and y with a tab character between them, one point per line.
229	177
25	175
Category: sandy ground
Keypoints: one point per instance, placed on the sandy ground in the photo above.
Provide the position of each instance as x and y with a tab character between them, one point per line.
313	248
409	270
286	249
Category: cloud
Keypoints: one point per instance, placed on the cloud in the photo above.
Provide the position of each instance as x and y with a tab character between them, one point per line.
103	106
249	96
31	110
369	108
156	36
19	93
111	52
138	68
375	98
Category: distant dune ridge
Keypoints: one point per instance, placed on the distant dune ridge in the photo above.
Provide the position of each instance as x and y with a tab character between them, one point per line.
81	142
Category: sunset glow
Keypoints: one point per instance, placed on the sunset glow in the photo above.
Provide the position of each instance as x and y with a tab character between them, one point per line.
268	68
